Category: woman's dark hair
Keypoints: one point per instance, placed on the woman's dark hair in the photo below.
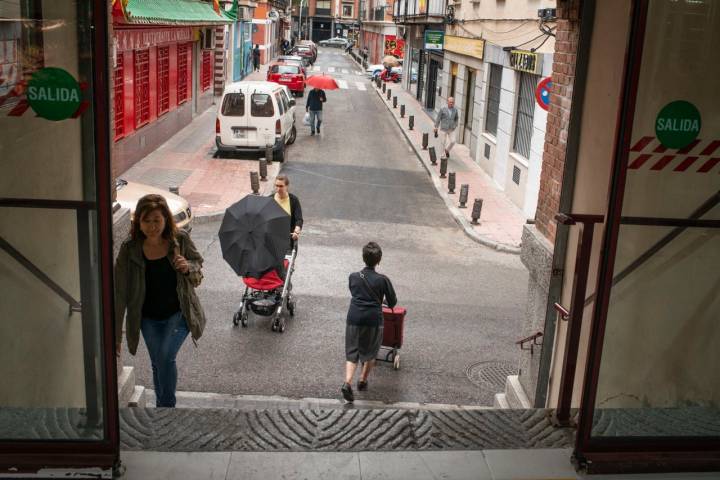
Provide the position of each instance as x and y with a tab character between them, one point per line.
150	203
372	253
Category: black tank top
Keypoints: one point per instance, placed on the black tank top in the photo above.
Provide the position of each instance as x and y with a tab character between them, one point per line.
161	299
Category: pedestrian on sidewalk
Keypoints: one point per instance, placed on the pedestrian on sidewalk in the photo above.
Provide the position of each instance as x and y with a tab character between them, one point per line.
256	58
314	106
156	272
447	120
364	323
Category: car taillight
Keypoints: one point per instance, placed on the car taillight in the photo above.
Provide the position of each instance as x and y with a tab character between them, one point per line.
217	125
277	127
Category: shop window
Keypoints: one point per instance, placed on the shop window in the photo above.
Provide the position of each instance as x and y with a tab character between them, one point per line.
206	76
119	98
163	79
182	73
524	116
142	88
493	100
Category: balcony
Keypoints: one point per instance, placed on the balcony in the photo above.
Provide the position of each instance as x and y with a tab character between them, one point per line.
410	11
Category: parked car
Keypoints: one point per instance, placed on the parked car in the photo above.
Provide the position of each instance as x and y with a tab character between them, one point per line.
305	52
285	74
254	115
339	42
373	71
128	194
311	44
294	58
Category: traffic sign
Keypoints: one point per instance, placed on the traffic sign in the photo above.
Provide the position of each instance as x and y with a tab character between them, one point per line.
542	93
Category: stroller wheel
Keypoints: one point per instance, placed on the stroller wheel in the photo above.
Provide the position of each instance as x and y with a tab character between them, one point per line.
281	327
274	326
236	319
244	319
291	307
396	362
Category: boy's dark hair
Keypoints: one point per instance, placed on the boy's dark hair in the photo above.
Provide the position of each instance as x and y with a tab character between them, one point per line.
372	253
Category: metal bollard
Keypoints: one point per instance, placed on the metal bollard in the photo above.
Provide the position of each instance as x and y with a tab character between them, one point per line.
269	154
411	122
402	111
254	183
424	141
394	102
378	81
433	156
384	87
174	189
464	189
477	209
451	183
263	170
389	93
443	166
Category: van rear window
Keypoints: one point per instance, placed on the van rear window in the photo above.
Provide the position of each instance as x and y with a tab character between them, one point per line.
233	105
261	105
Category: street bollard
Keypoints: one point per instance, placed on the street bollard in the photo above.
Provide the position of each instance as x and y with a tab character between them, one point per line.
263	170
175	190
451	183
384	87
443	166
433	156
411	122
389	93
377	82
402	111
269	154
394	102
477	209
464	190
424	140
254	183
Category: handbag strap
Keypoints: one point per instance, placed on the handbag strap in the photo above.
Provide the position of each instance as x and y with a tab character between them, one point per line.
367	284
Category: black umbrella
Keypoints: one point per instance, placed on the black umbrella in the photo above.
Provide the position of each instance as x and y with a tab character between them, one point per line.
254	235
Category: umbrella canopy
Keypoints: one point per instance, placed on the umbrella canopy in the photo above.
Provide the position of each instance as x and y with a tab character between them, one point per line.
390	61
254	235
326	82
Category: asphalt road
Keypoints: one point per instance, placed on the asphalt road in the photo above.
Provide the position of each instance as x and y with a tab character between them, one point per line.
359	181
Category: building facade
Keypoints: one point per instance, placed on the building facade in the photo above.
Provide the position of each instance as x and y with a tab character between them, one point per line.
318	20
270	25
379	34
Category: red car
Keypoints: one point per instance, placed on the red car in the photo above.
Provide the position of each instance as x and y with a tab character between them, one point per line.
290	75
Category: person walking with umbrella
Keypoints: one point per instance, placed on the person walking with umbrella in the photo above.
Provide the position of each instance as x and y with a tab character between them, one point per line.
256	58
316	98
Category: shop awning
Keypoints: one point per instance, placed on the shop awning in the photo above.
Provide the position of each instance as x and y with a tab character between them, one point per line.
173	12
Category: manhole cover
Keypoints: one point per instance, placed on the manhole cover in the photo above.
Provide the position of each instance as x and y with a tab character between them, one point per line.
490	374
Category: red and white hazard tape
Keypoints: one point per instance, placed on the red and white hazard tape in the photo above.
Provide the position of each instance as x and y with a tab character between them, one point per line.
648	152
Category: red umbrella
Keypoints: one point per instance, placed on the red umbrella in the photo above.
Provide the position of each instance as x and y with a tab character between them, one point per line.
326	82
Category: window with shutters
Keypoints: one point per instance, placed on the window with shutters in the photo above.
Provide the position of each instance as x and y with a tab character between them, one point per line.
142	88
163	80
493	101
182	73
119	98
206	69
524	115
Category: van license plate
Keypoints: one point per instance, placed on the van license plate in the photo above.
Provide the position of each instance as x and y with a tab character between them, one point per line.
239	134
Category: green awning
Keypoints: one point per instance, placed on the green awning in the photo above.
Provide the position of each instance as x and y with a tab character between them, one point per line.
174	12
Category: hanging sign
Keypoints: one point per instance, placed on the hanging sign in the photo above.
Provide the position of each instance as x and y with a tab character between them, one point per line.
434	39
542	93
678	124
53	94
525	61
466	46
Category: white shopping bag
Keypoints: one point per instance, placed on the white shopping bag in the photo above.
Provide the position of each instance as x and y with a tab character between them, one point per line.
306	119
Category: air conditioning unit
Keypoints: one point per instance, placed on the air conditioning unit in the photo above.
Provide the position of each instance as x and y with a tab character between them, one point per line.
207	39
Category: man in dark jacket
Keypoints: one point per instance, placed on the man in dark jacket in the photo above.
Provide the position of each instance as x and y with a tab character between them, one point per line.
256	57
314	105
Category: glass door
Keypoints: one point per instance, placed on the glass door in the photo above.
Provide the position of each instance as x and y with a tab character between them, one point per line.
58	403
652	389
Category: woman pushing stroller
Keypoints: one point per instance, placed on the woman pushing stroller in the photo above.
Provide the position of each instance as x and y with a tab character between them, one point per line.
364	324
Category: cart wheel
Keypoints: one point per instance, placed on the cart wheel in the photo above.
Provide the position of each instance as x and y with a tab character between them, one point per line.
396	362
236	319
244	319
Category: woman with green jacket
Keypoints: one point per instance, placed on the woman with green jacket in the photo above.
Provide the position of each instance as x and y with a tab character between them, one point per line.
156	272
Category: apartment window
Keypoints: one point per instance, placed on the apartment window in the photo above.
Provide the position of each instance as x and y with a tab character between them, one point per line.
347	10
206	70
493	101
470	99
119	98
182	73
524	115
142	88
163	80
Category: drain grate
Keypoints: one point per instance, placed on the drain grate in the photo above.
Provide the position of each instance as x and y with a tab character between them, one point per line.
490	374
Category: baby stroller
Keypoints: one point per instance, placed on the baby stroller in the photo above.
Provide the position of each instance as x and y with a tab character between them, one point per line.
269	296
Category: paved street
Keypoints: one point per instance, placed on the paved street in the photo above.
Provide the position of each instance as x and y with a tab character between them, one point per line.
359	181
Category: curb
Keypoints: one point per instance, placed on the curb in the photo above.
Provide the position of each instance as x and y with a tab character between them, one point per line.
454	211
265	189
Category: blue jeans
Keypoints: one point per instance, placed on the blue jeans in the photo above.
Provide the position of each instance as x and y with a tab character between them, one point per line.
315	117
164	339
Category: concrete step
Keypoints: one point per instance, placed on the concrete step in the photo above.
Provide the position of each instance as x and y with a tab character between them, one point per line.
138	398
500	401
515	394
126	385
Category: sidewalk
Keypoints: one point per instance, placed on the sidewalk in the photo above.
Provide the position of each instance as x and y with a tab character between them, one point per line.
186	161
501	221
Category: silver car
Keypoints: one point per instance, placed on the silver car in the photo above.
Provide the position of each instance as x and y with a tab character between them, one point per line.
334	42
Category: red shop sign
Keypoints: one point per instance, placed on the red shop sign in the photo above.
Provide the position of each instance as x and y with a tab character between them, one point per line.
136	39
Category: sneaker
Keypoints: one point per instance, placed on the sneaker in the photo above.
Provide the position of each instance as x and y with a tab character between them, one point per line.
362	385
347	392
312	133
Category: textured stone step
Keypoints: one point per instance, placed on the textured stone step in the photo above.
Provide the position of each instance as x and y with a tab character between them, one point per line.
126	385
138	398
500	401
515	394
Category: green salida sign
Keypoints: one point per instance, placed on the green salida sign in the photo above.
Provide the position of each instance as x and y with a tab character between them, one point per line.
678	124
53	94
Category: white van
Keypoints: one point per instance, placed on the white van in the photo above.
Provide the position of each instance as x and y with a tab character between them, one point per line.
253	116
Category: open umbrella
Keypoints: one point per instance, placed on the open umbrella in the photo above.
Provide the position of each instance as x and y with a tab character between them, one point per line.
326	82
390	61
254	235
